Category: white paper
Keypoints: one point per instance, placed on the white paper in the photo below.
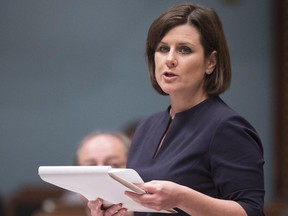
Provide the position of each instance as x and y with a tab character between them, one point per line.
94	181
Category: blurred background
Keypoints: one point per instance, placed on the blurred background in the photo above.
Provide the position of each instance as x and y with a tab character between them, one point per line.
70	67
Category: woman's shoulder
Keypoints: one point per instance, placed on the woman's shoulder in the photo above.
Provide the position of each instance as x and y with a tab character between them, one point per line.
218	112
226	115
212	109
152	123
217	107
155	117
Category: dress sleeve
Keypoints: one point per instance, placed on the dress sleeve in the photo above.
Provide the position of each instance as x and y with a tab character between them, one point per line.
237	164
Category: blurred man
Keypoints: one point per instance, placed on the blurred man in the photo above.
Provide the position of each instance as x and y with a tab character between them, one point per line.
103	149
96	149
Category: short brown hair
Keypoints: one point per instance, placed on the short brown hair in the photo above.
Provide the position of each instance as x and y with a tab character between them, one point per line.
212	38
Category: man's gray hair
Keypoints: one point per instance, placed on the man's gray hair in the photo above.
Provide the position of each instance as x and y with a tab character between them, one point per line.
123	138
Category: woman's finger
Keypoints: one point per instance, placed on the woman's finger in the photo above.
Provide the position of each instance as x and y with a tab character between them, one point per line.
114	209
95	207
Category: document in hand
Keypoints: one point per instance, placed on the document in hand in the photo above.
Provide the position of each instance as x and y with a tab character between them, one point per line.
98	181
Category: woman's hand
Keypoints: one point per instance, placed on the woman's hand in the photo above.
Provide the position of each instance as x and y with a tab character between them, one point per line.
165	195
160	195
96	208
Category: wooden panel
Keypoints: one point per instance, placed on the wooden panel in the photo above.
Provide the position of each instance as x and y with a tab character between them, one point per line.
282	95
29	198
64	210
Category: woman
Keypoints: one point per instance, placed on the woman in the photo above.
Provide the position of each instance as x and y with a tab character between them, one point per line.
199	156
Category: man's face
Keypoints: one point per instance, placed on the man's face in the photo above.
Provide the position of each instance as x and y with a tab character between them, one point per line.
103	150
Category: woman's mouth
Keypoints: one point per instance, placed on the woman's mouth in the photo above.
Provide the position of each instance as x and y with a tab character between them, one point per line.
169	74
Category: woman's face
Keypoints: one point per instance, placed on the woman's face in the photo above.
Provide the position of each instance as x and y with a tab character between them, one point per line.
180	65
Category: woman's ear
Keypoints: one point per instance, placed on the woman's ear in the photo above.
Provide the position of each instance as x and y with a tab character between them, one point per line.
211	62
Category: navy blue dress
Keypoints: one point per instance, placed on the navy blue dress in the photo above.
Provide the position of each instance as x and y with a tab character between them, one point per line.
209	148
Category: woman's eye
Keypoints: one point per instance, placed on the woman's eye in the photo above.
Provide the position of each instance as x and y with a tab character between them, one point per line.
163	49
185	50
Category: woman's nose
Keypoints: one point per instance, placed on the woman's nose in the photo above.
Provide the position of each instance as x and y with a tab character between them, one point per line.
171	60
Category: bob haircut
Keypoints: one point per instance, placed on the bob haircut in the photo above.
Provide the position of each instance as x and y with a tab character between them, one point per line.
212	38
